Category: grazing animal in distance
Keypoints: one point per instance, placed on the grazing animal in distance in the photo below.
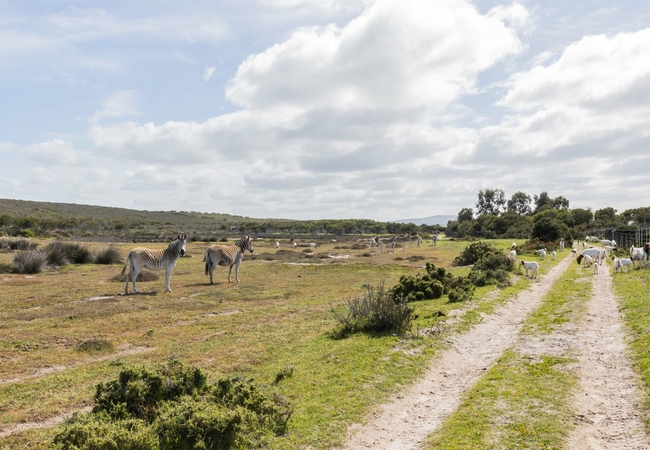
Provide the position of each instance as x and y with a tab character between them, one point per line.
277	244
596	268
512	256
389	241
434	240
154	260
513	246
227	255
591	252
574	252
417	239
403	240
621	263
639	255
553	255
295	245
542	253
533	266
313	246
561	245
588	260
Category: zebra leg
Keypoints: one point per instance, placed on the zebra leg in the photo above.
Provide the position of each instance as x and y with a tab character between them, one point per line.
237	270
168	276
229	273
134	276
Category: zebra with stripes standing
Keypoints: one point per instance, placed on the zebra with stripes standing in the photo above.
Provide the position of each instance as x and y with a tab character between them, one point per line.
154	260
227	255
402	240
390	242
417	239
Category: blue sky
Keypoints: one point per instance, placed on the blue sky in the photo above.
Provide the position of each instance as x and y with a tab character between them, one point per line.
324	109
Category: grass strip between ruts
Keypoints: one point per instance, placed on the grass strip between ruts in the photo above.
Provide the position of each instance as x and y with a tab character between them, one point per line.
522	401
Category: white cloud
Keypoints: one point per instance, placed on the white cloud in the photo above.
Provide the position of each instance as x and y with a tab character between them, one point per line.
56	152
120	104
207	72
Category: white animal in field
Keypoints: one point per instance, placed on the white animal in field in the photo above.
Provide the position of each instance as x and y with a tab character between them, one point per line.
542	253
561	245
533	266
277	244
553	255
154	260
295	245
513	246
596	268
621	263
639	255
313	246
591	252
574	252
588	260
512	256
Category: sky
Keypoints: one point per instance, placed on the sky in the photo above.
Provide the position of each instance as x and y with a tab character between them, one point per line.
312	109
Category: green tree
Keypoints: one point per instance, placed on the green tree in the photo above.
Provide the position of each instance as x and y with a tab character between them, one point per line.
490	201
465	214
581	216
560	203
605	214
542	200
519	203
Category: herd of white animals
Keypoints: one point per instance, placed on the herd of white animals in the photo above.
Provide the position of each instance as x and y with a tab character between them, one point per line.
232	255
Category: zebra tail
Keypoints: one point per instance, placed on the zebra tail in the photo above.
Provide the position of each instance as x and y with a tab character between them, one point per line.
126	263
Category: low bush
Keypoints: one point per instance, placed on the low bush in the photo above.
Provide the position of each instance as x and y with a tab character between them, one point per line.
492	268
175	407
107	255
376	310
433	283
29	262
6	268
60	253
95	345
18	244
473	253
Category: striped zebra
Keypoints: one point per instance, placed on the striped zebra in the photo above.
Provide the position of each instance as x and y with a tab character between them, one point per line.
154	260
434	240
227	255
390	242
417	239
402	240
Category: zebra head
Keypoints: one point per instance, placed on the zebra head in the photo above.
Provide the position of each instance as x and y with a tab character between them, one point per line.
247	244
180	243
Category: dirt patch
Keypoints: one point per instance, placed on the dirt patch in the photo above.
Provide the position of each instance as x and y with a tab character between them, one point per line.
607	403
406	420
51	422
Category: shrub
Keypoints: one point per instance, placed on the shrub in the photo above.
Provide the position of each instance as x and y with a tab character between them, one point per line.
174	407
63	253
473	253
6	268
107	255
492	268
95	345
377	310
29	262
21	244
434	283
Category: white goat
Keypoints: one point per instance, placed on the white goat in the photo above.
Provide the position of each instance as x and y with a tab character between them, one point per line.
553	255
638	255
588	260
620	263
532	266
512	256
295	245
542	253
313	246
574	252
561	245
591	252
277	244
513	246
596	268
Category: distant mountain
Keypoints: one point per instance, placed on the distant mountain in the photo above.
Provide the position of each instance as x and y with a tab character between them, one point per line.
433	220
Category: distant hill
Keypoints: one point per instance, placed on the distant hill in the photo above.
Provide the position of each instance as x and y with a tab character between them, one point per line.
433	220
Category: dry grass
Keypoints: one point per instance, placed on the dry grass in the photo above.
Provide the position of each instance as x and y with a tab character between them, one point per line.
278	316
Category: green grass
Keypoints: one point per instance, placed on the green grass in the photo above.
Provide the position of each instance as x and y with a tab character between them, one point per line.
278	316
632	290
523	401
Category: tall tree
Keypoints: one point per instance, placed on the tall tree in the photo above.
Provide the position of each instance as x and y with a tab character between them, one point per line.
490	201
560	203
605	214
542	200
519	203
465	214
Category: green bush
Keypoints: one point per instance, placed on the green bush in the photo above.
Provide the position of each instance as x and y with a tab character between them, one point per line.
29	262
473	253
107	255
175	407
433	283
492	268
377	310
60	253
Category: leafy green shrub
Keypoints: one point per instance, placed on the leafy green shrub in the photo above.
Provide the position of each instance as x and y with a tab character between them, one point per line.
473	253
175	407
433	283
29	262
377	310
60	253
107	255
492	268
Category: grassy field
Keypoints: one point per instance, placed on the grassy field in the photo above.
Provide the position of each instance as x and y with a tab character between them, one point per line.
278	317
632	290
523	401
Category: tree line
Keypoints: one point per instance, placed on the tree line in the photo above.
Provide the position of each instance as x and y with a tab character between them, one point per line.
540	216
